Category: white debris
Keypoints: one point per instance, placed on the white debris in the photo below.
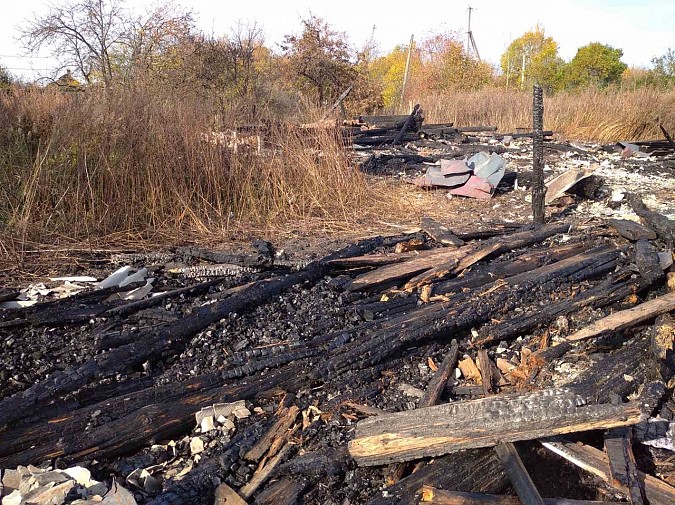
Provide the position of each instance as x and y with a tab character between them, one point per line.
207	424
137	277
142	292
196	445
115	278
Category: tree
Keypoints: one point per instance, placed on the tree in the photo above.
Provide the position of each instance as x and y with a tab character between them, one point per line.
595	64
150	43
389	70
5	77
101	41
82	33
447	66
230	66
664	66
319	60
533	58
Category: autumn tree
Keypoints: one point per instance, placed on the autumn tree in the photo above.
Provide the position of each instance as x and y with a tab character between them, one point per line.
320	60
101	41
82	35
150	43
664	66
389	69
447	66
231	67
595	64
533	58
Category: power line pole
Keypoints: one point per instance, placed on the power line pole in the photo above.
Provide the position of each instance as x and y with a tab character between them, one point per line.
407	68
470	41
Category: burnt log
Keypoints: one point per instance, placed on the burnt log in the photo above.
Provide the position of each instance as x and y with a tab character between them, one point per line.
628	318
486	422
613	289
595	461
440	233
632	230
470	471
664	227
622	466
433	258
167	337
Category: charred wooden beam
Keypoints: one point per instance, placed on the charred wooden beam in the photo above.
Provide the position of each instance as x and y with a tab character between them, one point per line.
664	227
433	258
632	230
409	122
538	186
158	340
611	290
285	491
522	263
448	428
595	461
668	137
471	471
436	496
622	467
462	311
517	474
440	233
628	318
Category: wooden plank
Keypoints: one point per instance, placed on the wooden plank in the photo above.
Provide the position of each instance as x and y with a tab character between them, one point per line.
396	272
595	462
264	472
664	227
443	429
440	233
517	474
454	266
435	496
285	419
625	319
225	495
632	230
437	384
622	467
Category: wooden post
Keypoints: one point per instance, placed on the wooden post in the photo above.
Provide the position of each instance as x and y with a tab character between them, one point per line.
538	187
407	68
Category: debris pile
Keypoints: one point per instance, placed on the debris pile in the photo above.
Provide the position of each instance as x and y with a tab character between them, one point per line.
439	365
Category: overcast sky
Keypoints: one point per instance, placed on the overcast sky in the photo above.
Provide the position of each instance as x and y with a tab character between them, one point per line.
642	28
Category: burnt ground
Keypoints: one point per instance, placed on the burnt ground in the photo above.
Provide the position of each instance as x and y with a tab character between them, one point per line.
312	310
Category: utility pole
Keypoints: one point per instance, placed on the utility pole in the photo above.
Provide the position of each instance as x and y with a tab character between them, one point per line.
407	68
470	41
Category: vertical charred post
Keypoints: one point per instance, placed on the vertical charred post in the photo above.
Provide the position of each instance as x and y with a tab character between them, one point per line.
538	187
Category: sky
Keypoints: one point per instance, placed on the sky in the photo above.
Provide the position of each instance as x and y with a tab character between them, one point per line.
643	29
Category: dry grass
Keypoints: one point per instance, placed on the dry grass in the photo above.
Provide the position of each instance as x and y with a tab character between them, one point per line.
100	164
132	167
591	114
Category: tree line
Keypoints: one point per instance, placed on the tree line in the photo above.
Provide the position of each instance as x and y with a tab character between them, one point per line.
101	42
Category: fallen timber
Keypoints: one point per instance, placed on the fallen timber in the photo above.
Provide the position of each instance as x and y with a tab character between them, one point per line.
158	340
435	431
351	363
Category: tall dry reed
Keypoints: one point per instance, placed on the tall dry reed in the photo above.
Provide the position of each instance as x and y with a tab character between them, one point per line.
146	161
591	114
